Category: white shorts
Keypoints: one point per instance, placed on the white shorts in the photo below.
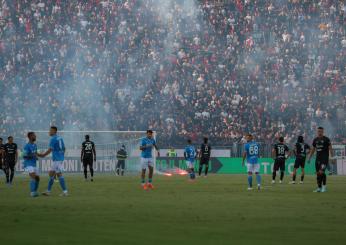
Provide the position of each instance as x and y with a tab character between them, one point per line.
190	164
146	162
253	168
57	167
30	169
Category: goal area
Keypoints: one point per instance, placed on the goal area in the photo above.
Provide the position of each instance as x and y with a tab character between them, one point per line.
107	143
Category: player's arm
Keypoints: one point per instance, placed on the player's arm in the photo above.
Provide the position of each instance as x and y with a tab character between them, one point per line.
185	154
82	153
45	153
273	153
244	157
295	150
331	151
157	149
16	159
311	153
288	153
94	152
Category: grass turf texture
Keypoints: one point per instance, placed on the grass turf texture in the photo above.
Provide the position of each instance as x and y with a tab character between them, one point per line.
216	210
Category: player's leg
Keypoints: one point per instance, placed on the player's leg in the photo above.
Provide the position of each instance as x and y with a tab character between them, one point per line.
12	166
275	168
85	169
122	167
294	175
249	175
117	168
324	177
258	175
62	182
206	168
302	165
151	173
144	166
282	170
91	169
319	177
7	172
34	183
200	167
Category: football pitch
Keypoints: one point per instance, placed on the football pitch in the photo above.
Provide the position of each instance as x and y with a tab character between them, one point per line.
213	210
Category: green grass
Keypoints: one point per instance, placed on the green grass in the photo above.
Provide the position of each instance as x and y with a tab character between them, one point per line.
216	210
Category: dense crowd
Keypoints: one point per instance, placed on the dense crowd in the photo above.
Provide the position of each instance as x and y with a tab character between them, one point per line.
183	68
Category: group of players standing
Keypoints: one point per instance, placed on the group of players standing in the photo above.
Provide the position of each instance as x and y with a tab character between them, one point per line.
302	151
280	152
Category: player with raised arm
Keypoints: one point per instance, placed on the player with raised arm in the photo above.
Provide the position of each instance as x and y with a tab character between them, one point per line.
323	148
190	157
30	158
300	151
10	158
279	152
147	161
251	154
204	155
57	148
88	155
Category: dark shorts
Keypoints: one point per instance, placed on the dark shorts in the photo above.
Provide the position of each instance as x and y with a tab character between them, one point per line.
299	163
87	162
204	161
279	164
121	164
321	165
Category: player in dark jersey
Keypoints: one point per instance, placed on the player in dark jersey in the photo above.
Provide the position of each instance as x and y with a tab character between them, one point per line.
11	158
279	152
300	151
121	157
2	164
88	155
323	147
204	155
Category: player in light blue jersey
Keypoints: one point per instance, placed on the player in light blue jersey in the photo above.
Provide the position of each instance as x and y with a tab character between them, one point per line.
251	154
147	161
30	157
57	148
190	154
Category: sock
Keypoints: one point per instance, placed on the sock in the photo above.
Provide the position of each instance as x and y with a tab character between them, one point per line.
302	178
117	171
85	173
150	180
200	170
7	175
143	181
249	180
206	170
319	180
324	179
50	183
282	175
258	179
62	183
92	172
32	185
122	172
274	175
37	182
294	177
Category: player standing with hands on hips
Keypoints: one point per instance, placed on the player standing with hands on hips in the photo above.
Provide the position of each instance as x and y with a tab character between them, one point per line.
251	154
323	148
147	161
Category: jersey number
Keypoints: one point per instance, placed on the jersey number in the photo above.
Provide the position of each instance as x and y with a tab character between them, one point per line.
281	150
88	147
253	150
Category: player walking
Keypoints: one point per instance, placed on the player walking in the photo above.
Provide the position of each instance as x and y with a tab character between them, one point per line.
57	148
11	158
121	157
204	155
323	147
88	155
300	151
251	154
147	161
30	157
279	153
190	157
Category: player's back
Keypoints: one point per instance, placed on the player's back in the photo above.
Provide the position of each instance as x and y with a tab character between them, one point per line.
58	148
252	152
301	150
87	148
280	150
10	151
205	151
190	152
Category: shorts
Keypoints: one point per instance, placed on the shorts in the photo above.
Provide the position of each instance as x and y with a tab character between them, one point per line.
253	168
190	164
279	164
321	165
299	163
30	169
204	161
10	164
88	162
147	162
57	167
121	164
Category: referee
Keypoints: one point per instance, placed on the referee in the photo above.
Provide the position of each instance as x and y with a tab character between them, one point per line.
324	150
